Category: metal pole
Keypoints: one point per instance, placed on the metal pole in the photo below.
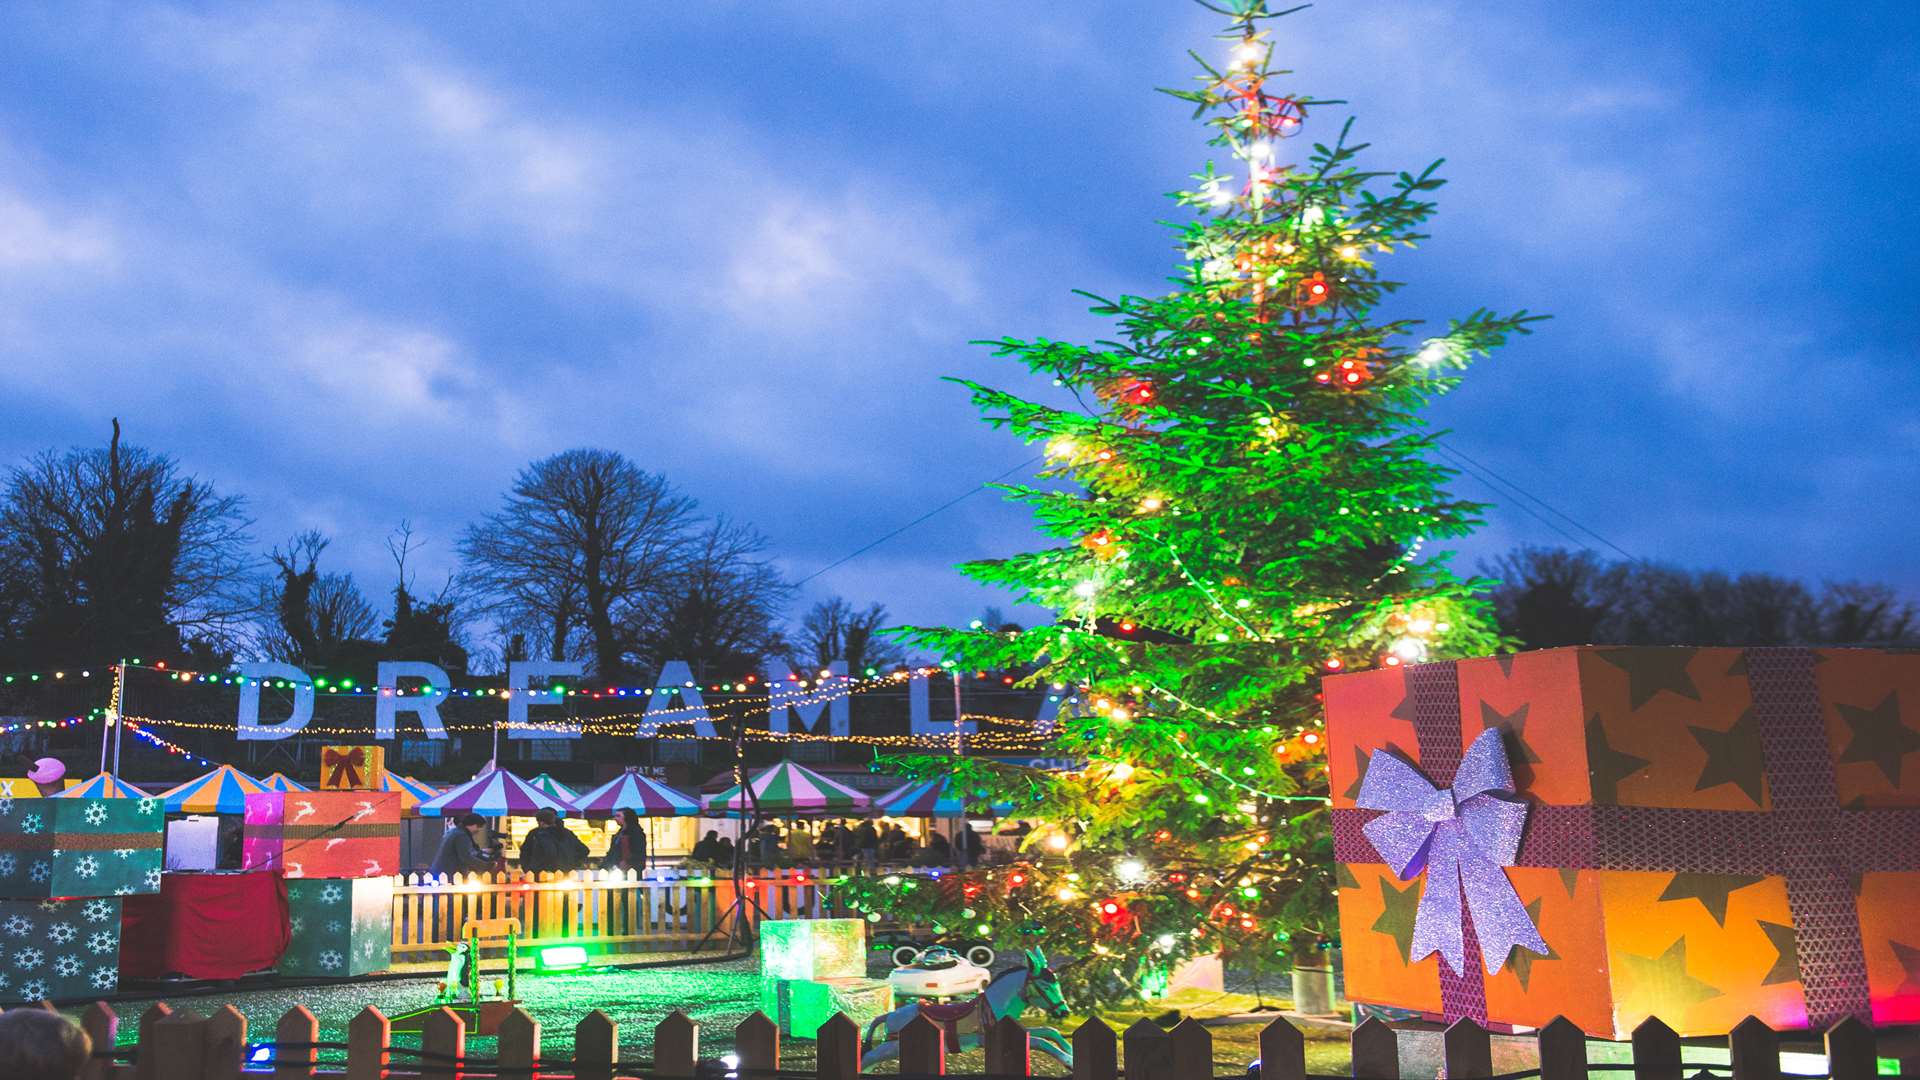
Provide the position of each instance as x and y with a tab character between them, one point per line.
120	717
959	733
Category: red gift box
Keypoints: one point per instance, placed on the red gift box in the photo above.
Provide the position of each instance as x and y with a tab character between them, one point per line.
323	834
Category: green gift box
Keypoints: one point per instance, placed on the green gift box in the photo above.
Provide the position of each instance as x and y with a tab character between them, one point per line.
800	1006
58	950
338	927
813	949
79	847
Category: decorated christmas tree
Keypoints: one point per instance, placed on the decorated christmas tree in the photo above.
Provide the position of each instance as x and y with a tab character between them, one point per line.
1241	481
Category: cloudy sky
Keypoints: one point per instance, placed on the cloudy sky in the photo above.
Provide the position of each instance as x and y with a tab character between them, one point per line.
360	263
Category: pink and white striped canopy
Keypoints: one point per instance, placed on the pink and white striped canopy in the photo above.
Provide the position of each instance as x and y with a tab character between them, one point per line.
493	793
642	795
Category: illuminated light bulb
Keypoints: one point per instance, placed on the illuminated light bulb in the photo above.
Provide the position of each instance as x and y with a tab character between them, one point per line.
1151	503
1442	627
1016	879
1353	377
1085	590
1350	252
1193	893
1109	908
1120	772
1333	663
1248	53
1310	738
1421	626
1127	628
1391	660
1130	869
1165	941
1103	455
1432	353
1058	841
1409	648
1261	149
1064	894
1121	716
1288	248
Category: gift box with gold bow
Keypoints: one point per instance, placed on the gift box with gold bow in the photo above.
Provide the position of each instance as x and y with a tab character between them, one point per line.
1610	834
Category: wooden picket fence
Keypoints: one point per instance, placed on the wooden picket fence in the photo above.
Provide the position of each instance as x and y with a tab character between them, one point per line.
183	1045
615	910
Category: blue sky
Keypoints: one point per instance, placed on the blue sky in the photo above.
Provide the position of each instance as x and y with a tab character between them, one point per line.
361	263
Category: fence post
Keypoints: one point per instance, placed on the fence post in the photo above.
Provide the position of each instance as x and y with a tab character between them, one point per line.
102	1025
756	1042
837	1049
1283	1052
146	1062
923	1048
676	1045
297	1027
180	1046
1191	1046
1656	1051
1147	1054
226	1044
1563	1051
519	1046
1468	1052
1009	1048
1754	1050
596	1046
1850	1050
1096	1051
369	1036
1376	1053
443	1043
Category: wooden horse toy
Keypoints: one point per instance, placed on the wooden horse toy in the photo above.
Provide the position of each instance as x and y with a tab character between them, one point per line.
965	1022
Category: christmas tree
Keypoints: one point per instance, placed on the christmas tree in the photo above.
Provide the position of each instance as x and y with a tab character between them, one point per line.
1244	493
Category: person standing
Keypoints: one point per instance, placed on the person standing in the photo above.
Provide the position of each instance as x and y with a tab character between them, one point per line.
465	849
866	841
969	849
551	847
628	849
799	843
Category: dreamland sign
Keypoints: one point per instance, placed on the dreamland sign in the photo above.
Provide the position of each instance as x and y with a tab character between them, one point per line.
675	699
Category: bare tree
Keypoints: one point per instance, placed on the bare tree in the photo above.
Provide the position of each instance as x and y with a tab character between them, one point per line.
583	538
423	628
119	553
721	608
833	630
314	616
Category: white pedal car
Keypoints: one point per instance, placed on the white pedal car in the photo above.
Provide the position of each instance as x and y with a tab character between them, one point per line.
938	973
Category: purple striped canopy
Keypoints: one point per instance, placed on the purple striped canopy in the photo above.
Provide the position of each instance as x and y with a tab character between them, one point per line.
642	795
493	793
929	798
786	789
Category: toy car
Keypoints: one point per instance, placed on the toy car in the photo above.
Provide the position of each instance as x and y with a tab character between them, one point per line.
939	972
905	947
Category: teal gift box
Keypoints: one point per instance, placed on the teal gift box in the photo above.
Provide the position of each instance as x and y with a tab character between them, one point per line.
800	1006
79	847
58	950
338	926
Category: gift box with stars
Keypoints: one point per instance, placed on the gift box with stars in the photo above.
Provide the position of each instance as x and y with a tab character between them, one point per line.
59	950
79	847
322	834
1694	834
340	927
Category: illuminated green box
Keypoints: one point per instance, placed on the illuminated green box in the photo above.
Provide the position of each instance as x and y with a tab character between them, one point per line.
800	1006
813	949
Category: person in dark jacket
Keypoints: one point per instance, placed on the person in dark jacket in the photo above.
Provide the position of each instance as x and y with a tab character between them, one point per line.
708	849
628	849
866	842
550	847
465	849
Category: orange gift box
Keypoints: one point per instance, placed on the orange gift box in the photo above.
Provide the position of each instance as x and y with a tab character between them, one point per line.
1711	834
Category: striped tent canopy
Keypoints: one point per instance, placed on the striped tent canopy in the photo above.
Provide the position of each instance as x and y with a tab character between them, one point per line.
222	791
785	789
279	781
412	792
928	798
494	793
642	795
545	782
103	786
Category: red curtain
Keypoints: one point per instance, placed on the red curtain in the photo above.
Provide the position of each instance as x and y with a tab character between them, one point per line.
205	926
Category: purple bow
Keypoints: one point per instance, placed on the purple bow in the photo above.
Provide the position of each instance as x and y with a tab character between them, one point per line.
1462	837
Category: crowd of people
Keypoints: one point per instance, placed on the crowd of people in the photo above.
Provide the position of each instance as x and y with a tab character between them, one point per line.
470	847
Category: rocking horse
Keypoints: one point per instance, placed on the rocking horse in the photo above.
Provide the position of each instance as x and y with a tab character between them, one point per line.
965	1022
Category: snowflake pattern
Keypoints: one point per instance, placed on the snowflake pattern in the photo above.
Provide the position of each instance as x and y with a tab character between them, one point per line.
86	866
52	906
41	870
5	980
95	814
296	923
17	926
335	926
67	966
101	941
97	910
61	933
332	894
152	878
149	806
7	864
331	959
123	852
6	804
33	990
105	978
32	823
28	959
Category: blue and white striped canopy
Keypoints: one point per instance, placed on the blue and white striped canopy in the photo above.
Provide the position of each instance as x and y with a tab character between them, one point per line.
928	798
